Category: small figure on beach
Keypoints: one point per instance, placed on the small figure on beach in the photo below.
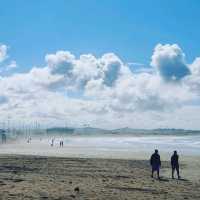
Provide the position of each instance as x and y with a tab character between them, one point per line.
52	142
29	140
61	143
175	164
3	138
155	163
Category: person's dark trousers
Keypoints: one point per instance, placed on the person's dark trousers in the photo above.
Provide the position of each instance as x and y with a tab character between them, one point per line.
175	168
157	170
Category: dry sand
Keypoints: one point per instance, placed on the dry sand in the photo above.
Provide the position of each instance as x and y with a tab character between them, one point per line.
34	177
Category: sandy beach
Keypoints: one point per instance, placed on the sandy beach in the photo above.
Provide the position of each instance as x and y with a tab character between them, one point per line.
36	177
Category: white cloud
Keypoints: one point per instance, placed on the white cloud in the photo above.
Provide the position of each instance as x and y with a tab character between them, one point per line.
3	52
3	56
170	62
103	91
195	67
12	64
61	62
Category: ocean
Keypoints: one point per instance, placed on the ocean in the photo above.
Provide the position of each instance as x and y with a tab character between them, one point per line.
106	146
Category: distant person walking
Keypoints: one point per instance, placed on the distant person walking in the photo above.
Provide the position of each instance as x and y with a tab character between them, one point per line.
3	138
175	164
61	143
155	163
52	142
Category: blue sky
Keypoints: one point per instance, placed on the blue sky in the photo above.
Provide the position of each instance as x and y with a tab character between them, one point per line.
128	28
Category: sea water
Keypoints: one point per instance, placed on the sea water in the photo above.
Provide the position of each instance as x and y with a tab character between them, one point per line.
108	146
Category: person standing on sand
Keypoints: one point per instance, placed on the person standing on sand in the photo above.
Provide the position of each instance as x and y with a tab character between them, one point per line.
155	163
175	164
52	142
61	143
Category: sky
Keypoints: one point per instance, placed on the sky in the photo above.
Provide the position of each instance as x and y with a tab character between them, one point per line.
106	63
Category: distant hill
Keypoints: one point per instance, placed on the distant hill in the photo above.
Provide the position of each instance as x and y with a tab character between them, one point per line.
175	131
84	130
60	130
126	130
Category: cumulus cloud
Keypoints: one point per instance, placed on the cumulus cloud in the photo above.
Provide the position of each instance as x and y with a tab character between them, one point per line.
75	73
195	67
111	66
12	64
103	90
170	62
3	52
61	62
6	65
192	82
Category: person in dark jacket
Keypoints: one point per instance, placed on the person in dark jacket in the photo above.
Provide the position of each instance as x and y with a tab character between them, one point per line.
155	163
175	164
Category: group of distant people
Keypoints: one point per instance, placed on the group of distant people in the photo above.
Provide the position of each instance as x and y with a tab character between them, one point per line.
61	143
29	140
156	164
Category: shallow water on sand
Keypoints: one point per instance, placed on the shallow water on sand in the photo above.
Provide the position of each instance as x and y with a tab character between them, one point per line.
104	146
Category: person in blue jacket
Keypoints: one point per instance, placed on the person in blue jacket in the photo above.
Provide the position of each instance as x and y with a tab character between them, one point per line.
155	163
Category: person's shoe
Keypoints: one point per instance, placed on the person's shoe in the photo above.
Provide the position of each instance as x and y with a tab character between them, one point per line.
179	177
172	177
151	176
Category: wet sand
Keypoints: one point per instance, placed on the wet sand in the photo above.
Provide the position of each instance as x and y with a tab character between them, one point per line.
35	177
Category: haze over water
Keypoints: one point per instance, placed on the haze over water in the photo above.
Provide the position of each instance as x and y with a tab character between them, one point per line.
106	146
